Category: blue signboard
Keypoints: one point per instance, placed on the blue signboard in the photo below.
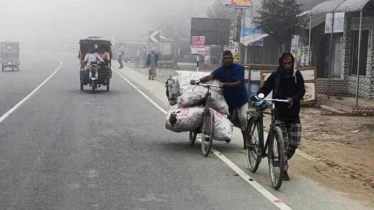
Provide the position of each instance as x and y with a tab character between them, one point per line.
254	87
245	32
249	31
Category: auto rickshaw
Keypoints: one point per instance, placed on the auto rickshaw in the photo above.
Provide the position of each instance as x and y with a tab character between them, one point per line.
10	56
101	71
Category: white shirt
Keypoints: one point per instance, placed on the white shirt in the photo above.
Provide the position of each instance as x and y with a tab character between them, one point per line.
92	57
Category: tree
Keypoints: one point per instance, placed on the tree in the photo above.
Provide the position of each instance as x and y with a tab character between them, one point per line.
280	19
219	10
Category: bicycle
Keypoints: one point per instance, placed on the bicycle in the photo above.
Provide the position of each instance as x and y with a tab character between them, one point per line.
274	145
207	127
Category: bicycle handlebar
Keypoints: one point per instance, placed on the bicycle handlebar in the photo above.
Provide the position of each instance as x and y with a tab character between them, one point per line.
278	100
273	100
208	85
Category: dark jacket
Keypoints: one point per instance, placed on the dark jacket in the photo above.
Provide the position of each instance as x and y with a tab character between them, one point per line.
149	59
288	87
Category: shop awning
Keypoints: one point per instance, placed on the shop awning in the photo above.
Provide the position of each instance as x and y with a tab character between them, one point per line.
355	5
326	7
342	6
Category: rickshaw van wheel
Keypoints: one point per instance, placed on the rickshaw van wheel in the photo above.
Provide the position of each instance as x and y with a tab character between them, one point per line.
107	86
93	86
81	86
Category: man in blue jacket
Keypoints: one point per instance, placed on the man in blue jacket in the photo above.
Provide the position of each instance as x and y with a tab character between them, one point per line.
231	76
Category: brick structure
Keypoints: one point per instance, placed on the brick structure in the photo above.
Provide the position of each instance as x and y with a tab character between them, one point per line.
337	86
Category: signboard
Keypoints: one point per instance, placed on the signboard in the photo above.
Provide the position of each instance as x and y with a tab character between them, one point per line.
251	35
198	41
310	79
254	87
215	30
238	3
253	76
201	51
249	31
236	57
154	36
166	48
338	22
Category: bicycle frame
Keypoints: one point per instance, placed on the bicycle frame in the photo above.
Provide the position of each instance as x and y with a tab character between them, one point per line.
273	148
273	124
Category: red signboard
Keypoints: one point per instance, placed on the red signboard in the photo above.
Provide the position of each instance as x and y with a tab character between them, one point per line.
198	41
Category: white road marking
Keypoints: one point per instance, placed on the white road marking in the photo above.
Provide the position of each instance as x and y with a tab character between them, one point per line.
14	108
141	92
274	200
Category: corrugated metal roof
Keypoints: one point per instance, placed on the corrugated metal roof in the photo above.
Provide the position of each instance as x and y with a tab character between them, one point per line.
352	5
326	7
339	6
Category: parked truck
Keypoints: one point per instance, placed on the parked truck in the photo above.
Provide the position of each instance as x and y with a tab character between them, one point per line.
10	55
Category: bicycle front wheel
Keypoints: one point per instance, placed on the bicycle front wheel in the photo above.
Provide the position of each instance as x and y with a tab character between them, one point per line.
276	157
207	133
192	137
254	155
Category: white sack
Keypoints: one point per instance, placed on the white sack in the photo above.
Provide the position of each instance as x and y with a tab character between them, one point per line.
192	97
223	128
184	78
187	119
217	102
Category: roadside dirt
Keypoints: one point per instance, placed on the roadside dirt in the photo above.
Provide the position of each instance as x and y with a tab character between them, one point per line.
343	150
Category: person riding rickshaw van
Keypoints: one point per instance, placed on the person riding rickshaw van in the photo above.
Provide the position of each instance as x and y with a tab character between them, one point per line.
89	58
95	60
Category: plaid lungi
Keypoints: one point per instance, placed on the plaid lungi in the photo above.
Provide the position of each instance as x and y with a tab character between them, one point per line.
291	135
152	72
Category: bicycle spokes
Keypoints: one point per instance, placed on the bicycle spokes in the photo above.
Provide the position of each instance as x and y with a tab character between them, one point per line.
276	157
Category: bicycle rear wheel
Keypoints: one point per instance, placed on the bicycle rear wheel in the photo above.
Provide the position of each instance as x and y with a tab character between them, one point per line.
276	157
254	155
207	133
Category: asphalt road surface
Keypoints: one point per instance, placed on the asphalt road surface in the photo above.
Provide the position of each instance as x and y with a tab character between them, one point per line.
62	148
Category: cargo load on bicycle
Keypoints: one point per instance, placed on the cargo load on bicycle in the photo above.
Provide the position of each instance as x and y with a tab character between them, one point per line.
194	103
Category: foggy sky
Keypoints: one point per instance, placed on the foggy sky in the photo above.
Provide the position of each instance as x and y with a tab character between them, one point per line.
61	23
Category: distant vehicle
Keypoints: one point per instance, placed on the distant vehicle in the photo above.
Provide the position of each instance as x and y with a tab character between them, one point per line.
10	56
101	71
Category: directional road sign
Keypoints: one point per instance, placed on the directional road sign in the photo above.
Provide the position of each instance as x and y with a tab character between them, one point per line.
154	36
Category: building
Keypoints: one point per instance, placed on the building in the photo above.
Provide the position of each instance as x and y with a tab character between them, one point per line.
347	55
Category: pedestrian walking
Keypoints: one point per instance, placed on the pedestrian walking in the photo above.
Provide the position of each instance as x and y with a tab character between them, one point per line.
120	60
152	60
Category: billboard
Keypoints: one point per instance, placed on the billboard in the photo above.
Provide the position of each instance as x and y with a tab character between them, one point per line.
215	30
238	3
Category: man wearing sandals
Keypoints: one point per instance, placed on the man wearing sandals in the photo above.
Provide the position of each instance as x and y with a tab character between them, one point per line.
287	83
231	76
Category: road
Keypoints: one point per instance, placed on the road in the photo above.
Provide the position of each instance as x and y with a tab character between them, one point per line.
63	148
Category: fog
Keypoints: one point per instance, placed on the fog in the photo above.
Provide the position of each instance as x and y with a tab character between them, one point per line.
59	24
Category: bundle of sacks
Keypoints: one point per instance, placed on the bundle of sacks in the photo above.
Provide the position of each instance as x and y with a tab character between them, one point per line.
187	114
